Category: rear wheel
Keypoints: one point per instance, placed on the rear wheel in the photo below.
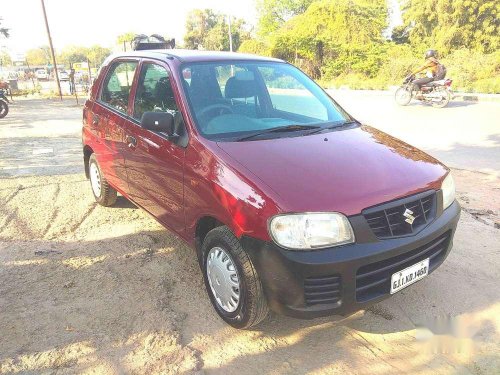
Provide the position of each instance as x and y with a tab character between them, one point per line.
4	109
443	100
104	194
403	96
231	280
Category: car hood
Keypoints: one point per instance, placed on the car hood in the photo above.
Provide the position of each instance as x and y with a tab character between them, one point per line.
345	170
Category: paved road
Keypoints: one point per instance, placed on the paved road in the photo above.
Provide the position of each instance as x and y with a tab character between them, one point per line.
463	135
42	137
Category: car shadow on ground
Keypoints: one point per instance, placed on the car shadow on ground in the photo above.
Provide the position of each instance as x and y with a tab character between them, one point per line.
122	202
108	300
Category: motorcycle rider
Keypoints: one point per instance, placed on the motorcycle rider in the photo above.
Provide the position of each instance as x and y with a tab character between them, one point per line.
433	68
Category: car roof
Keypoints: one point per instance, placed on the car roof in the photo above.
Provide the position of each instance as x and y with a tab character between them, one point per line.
185	55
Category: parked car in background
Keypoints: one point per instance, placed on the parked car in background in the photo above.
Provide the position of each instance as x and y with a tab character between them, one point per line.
41	75
63	75
289	202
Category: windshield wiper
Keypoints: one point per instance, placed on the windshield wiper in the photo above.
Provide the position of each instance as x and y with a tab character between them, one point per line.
277	129
334	125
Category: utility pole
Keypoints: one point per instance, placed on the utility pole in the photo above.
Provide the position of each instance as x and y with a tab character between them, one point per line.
51	49
230	35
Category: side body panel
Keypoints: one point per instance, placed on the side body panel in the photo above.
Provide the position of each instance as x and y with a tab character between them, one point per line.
155	169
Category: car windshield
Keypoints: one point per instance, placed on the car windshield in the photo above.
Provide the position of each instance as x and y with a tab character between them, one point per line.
235	100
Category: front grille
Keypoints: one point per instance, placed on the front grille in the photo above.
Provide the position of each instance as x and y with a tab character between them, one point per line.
389	221
373	280
321	290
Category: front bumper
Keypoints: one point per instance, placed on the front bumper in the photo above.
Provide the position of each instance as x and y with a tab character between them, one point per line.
345	279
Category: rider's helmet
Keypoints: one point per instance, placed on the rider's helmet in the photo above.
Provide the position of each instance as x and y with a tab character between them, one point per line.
430	53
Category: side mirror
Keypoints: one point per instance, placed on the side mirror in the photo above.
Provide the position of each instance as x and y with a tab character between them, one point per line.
158	122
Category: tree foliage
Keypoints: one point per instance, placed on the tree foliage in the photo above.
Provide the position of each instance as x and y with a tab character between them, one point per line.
454	24
209	30
275	13
125	37
341	41
74	54
5	59
97	54
332	37
38	56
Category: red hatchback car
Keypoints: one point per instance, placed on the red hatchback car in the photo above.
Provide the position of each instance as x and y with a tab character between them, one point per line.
290	203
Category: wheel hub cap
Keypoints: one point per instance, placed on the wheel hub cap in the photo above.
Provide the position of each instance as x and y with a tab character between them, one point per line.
95	179
223	279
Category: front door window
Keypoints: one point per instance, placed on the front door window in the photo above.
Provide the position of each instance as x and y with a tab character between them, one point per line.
154	91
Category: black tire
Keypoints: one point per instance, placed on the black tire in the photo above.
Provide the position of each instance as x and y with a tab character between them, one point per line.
4	109
403	96
107	195
252	307
445	100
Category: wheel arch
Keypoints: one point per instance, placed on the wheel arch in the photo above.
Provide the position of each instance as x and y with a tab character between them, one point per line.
204	225
87	151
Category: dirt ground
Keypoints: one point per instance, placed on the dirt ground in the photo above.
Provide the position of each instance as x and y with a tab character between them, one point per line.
88	289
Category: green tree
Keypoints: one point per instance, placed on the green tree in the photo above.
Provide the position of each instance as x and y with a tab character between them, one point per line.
257	47
5	59
38	56
334	37
400	35
453	24
198	23
124	39
209	30
97	54
73	54
274	13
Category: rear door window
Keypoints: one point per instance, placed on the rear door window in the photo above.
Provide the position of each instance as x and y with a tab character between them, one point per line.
117	85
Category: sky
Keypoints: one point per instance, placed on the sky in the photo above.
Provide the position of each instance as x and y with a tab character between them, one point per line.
88	22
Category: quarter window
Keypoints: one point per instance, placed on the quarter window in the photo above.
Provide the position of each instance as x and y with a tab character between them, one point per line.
154	91
117	85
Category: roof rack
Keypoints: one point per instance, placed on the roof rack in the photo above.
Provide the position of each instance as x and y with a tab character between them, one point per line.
143	42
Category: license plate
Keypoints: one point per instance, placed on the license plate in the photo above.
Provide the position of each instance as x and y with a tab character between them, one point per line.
408	276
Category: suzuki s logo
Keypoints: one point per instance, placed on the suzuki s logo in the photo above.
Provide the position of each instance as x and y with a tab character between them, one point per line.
409	216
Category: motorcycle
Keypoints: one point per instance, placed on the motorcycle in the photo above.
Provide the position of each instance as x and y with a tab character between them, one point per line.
4	104
436	93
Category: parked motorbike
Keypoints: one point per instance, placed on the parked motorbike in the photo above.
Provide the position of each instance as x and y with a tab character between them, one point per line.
4	104
436	93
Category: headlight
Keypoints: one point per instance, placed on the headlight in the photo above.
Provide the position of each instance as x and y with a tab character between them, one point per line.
448	188
311	231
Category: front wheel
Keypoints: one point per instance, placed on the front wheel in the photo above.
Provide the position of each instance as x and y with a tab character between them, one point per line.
4	109
443	100
231	280
403	96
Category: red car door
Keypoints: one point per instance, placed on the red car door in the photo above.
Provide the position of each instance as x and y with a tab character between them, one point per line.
108	119
155	164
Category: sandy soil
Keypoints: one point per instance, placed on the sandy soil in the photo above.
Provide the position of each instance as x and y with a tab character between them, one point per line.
88	289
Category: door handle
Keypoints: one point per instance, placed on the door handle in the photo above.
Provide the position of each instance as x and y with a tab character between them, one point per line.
131	141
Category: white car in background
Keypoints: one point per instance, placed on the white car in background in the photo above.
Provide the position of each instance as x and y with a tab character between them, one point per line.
63	75
41	75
